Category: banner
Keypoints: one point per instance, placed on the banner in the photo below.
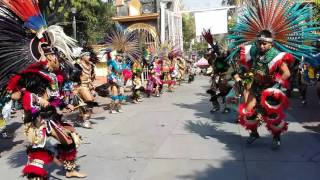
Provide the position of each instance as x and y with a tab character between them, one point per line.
216	21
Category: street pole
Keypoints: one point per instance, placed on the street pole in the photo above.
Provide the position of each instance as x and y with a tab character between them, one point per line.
74	23
74	27
163	18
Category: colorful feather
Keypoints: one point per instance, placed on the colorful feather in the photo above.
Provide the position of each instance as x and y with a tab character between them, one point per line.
167	50
28	11
208	36
62	42
125	41
14	45
287	20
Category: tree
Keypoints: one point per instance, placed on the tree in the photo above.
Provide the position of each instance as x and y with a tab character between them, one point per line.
230	2
200	46
54	10
188	26
316	12
93	17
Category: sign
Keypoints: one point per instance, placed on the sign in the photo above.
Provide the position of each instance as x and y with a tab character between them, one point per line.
215	20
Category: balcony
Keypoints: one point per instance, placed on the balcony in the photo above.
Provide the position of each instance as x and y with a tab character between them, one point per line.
136	7
142	17
136	10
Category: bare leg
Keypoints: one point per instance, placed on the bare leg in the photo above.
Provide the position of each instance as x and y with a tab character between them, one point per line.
67	152
114	97
251	102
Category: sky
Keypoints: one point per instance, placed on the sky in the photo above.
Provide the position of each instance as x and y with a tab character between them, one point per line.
201	4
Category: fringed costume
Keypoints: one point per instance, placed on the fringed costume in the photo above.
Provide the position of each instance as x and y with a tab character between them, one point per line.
137	86
116	81
220	84
168	55
181	64
269	37
220	76
85	88
154	80
126	45
30	61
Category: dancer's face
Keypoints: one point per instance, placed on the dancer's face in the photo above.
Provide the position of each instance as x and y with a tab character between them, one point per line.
86	58
264	46
53	62
16	95
119	58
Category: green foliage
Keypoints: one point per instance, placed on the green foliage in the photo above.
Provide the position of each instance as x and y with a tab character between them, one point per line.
231	24
189	33
200	47
55	10
316	12
229	2
93	17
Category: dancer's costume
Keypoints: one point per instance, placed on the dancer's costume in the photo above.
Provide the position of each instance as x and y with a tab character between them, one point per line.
220	78
154	81
220	84
167	55
191	69
166	70
116	82
308	75
126	44
25	44
67	92
181	69
137	87
85	86
285	24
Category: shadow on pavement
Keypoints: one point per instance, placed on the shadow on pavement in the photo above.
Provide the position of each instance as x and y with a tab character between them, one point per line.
203	129
313	128
298	158
18	159
308	113
99	118
8	144
211	173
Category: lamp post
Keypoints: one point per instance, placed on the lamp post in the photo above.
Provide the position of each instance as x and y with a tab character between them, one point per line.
74	24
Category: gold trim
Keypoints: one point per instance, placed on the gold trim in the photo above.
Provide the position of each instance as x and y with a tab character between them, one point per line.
142	26
142	17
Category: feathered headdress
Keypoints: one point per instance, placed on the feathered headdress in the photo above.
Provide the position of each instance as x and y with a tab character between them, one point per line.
123	41
61	41
287	20
167	50
206	34
29	12
90	51
14	45
23	30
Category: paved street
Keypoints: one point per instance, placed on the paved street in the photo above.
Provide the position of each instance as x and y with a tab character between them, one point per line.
175	137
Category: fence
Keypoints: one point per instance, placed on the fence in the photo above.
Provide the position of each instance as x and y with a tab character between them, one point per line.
144	74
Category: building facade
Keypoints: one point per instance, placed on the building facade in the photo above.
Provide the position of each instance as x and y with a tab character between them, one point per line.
154	20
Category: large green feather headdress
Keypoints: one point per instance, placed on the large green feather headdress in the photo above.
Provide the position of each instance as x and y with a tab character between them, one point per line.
289	22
